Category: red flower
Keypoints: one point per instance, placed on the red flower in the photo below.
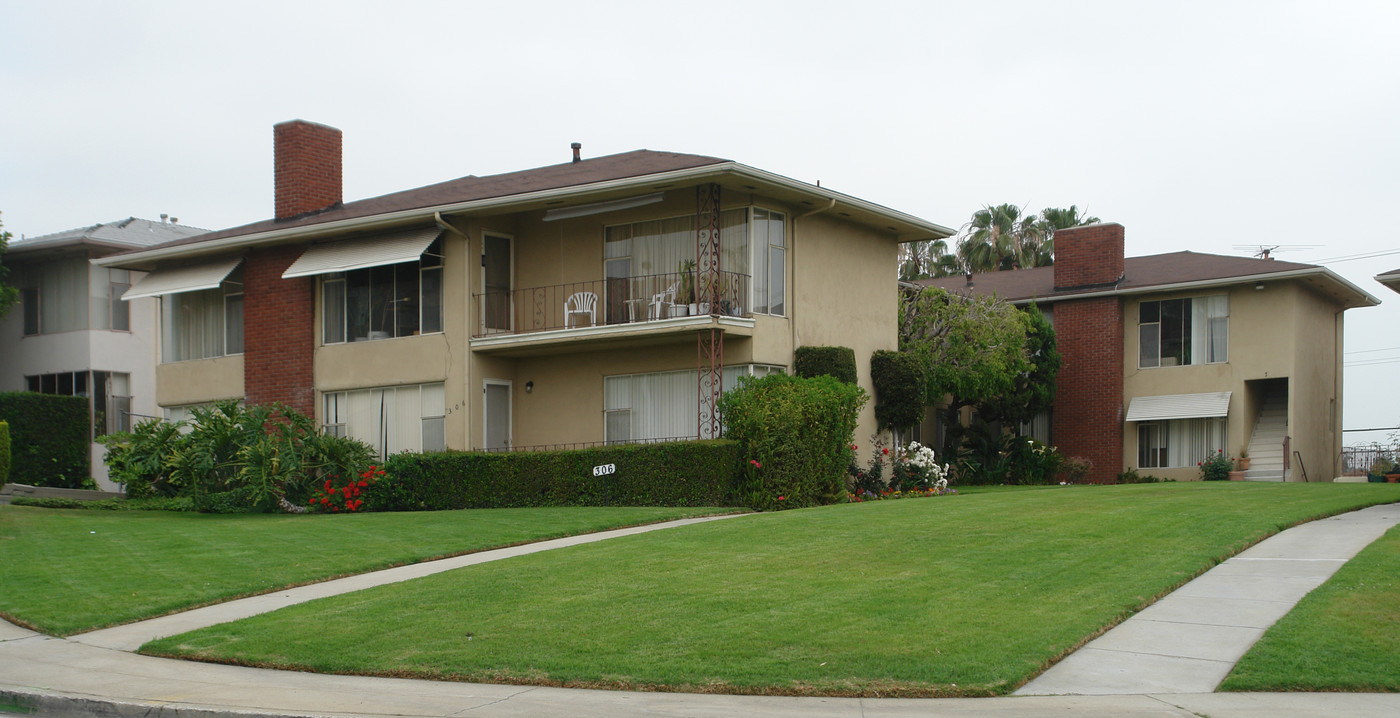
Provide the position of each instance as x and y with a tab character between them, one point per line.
782	498
886	451
328	484
854	447
364	484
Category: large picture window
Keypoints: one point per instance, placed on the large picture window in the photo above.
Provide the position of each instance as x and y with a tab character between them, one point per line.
203	324
391	300
1179	443
662	405
391	419
753	243
1179	332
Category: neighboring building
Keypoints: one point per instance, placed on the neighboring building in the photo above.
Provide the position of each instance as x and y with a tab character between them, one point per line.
1390	279
600	300
72	334
1171	357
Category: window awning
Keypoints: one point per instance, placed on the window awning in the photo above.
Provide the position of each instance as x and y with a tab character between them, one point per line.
376	251
191	278
1178	406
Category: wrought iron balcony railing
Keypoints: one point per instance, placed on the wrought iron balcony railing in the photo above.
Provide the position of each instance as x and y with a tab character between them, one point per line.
603	302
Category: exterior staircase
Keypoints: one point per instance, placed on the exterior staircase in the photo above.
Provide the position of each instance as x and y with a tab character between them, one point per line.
1266	443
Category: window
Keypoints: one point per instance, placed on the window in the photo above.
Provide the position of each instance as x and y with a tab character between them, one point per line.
646	258
1179	443
119	280
29	297
390	300
662	405
1178	332
203	324
390	419
769	261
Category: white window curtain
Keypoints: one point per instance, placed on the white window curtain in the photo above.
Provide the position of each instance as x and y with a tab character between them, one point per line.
1210	329
192	325
1193	440
63	296
390	419
661	405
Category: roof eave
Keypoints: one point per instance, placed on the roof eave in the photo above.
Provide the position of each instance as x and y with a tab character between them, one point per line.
914	228
1361	297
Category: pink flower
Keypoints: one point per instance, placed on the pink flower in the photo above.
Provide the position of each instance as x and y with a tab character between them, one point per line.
782	498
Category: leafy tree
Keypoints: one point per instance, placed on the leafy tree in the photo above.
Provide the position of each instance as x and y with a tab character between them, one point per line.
1032	391
9	295
972	348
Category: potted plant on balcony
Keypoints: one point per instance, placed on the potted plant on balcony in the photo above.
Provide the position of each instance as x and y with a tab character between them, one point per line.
685	299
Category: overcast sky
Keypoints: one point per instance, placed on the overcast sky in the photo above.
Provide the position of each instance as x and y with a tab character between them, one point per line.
1216	127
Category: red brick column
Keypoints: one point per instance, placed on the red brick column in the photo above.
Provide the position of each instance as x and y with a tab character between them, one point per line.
278	329
1089	388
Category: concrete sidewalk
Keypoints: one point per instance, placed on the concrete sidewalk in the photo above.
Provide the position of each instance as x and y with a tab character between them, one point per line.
95	675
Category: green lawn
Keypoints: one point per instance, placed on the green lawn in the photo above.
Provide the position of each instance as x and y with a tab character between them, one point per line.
68	571
956	595
1343	636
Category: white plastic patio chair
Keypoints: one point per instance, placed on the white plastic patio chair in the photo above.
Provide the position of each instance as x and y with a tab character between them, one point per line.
581	304
661	302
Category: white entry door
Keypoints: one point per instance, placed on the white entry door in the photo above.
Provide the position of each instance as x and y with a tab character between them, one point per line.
497	414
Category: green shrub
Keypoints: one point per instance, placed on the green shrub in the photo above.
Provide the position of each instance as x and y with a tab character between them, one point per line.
1131	476
798	431
232	459
690	473
839	362
113	504
48	439
898	378
4	452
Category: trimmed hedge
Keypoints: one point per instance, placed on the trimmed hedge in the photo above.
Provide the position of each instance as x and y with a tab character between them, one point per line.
689	473
839	362
48	439
795	435
4	451
899	380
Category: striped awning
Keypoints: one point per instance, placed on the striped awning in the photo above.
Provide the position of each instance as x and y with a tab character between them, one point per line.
364	252
1178	406
190	278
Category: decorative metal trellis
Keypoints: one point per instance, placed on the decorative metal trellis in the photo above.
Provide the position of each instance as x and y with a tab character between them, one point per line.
710	343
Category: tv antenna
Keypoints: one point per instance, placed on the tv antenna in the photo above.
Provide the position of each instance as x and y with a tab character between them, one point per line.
1267	251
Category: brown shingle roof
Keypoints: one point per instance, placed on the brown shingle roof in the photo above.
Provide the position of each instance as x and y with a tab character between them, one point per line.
1139	274
470	188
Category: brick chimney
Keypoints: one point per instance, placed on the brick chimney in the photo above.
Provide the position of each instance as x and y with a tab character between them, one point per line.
1089	256
306	167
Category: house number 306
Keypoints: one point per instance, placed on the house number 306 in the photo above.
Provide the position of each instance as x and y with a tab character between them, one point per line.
605	469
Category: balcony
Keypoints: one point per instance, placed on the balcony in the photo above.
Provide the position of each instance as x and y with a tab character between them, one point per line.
625	310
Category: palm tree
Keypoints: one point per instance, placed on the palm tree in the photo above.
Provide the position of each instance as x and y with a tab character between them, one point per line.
1001	237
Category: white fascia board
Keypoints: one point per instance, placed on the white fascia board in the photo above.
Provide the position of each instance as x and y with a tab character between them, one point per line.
1366	298
391	219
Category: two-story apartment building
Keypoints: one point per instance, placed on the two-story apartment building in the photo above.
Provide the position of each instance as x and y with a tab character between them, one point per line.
1171	357
599	300
72	334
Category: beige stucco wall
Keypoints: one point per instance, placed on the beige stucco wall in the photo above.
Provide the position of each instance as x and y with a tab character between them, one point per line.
843	293
1283	331
199	381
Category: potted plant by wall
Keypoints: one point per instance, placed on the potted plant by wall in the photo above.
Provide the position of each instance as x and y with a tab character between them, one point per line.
1242	463
1379	468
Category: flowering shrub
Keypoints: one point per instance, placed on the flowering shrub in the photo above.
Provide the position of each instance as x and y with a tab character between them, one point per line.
911	468
333	496
1216	467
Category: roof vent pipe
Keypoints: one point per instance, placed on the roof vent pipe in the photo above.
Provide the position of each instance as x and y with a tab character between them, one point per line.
576	147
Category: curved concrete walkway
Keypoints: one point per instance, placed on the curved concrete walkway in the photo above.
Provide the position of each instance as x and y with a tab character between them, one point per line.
1159	663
